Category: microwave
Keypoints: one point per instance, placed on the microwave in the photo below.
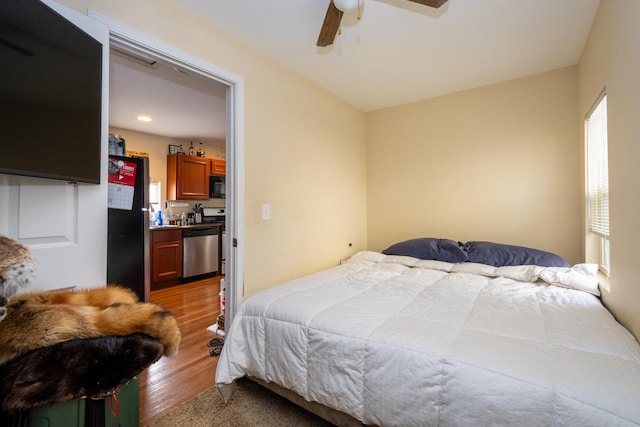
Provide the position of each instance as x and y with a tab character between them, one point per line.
217	187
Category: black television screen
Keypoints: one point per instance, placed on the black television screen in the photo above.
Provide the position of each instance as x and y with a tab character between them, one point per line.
50	95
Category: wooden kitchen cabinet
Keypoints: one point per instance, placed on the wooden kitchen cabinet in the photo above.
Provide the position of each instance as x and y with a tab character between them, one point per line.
187	177
217	167
166	255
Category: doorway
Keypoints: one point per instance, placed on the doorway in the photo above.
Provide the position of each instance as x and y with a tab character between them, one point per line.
128	39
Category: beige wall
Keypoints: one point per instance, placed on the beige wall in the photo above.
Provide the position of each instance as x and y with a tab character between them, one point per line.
611	60
497	163
304	148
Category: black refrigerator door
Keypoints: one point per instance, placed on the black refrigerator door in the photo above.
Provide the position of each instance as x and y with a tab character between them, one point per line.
128	235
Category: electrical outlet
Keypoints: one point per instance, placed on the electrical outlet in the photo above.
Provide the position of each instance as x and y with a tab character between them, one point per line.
266	211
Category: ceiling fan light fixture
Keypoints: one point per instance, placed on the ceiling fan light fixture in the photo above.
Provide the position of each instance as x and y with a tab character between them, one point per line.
346	5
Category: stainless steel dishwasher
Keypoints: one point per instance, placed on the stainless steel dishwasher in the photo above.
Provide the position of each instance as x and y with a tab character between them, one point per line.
200	251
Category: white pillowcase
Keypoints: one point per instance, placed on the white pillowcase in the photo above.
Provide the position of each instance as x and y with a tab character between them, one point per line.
583	277
523	273
474	268
367	256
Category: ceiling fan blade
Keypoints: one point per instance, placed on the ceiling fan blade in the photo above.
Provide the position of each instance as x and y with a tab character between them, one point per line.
432	3
330	26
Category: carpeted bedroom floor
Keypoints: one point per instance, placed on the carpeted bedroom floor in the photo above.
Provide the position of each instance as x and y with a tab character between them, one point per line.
250	405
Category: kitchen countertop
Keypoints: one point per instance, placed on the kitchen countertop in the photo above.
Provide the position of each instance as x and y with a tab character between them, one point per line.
176	227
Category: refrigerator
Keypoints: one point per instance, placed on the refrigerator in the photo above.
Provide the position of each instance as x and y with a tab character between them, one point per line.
128	253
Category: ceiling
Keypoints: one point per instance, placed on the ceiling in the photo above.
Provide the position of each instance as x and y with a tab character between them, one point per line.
183	106
398	52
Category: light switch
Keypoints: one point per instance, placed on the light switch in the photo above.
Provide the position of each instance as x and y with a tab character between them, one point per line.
266	211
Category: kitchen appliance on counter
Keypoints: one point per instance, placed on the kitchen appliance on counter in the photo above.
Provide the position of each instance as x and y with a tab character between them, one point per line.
128	250
217	184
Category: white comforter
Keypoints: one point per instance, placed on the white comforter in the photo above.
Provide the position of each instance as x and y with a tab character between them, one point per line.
398	341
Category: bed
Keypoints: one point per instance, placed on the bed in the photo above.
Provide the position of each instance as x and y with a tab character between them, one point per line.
406	338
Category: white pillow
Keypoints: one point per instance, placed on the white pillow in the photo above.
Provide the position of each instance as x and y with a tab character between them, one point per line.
435	265
400	259
367	256
523	273
583	277
474	268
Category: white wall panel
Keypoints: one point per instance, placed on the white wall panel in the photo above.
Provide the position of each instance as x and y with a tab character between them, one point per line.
46	209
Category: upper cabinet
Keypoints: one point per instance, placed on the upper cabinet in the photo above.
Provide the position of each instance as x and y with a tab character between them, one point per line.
187	177
217	167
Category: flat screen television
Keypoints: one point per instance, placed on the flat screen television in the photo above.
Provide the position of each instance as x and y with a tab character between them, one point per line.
50	95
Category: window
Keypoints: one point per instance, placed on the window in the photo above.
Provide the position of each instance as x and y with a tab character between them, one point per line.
598	180
155	200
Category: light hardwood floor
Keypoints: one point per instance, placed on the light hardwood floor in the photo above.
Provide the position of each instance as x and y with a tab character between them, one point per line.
172	381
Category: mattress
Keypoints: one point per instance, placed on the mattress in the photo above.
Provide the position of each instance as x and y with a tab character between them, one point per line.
398	341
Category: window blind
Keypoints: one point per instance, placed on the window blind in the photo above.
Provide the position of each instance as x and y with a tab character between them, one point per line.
598	170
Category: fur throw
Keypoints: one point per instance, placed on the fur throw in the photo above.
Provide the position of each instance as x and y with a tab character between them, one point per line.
56	346
41	319
17	269
92	367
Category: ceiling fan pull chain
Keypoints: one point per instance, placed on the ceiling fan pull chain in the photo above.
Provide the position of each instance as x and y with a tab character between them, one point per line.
359	15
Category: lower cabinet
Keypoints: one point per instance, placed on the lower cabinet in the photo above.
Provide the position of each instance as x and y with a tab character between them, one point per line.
166	255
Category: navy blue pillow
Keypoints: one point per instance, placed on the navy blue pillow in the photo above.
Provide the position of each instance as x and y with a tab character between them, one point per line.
429	248
499	255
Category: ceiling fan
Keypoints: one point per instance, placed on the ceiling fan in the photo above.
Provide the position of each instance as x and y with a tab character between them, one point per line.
333	17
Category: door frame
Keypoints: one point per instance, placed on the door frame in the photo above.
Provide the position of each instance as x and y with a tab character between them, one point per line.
137	42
